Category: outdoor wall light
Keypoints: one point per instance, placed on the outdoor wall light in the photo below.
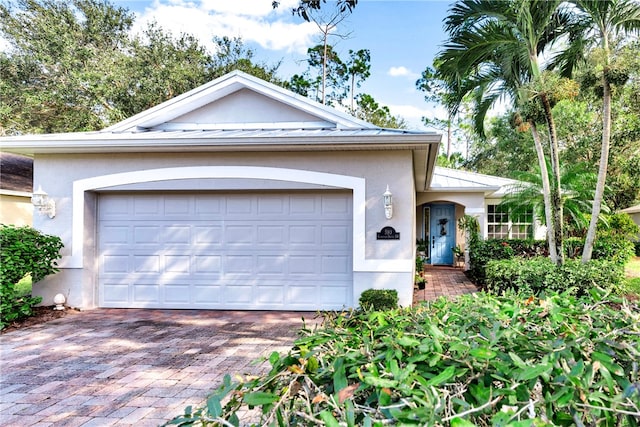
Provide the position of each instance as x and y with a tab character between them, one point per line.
45	205
388	203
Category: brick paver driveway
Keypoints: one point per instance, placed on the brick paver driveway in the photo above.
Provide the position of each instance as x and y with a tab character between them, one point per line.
131	367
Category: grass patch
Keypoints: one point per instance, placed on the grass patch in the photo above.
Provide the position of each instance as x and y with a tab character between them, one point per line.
632	268
23	287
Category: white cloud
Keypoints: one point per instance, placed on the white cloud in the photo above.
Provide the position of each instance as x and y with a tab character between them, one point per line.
413	115
401	71
252	20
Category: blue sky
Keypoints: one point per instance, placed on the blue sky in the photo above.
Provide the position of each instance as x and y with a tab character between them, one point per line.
403	37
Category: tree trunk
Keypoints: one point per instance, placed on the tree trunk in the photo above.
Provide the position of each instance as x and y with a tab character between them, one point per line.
546	193
353	83
556	196
602	171
324	71
449	138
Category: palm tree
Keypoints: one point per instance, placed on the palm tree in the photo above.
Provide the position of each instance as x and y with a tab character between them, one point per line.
577	184
598	23
493	52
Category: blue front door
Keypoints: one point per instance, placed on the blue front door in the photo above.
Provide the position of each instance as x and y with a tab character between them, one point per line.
443	234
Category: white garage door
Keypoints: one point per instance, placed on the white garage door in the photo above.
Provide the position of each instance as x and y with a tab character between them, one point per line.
225	251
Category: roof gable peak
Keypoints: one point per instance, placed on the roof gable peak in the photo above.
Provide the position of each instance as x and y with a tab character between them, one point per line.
285	108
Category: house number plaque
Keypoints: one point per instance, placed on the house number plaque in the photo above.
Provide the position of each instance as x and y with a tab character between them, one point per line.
388	233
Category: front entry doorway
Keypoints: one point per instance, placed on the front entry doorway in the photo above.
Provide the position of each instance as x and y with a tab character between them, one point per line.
441	235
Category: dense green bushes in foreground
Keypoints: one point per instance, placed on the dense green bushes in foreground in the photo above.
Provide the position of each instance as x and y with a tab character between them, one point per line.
479	360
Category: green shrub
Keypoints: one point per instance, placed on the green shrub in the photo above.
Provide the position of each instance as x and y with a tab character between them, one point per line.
636	245
538	275
619	224
478	360
483	251
379	299
23	251
611	247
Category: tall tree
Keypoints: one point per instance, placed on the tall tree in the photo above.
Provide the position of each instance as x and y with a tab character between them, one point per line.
73	65
306	7
62	59
327	20
158	67
358	68
330	73
599	23
494	52
369	110
577	184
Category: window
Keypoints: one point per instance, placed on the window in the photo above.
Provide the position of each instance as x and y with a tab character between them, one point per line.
501	225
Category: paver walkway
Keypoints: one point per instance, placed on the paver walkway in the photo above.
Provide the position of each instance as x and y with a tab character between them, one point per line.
443	281
131	367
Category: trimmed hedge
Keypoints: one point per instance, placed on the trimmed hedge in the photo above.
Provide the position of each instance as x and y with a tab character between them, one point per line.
540	275
480	360
610	247
379	299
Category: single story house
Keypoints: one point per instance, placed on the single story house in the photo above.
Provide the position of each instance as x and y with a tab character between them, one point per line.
242	195
16	184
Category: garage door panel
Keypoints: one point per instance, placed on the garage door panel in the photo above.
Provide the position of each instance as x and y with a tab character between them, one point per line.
176	234
115	234
146	293
225	251
144	234
114	264
177	293
207	264
207	235
147	264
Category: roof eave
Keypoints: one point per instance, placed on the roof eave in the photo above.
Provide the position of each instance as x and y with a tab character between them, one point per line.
138	144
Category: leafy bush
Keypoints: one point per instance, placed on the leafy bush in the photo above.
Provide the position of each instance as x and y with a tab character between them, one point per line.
612	247
538	275
379	299
23	250
481	359
483	251
619	224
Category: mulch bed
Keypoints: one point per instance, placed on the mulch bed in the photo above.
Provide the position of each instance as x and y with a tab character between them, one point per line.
40	315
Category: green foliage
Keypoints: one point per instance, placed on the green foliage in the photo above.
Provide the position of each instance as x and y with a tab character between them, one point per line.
606	247
75	65
479	360
370	111
619	224
483	251
23	251
379	299
541	276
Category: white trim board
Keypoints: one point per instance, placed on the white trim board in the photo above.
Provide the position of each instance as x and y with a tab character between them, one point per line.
356	184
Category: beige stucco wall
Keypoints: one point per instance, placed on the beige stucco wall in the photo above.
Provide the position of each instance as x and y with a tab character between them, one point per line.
16	210
57	173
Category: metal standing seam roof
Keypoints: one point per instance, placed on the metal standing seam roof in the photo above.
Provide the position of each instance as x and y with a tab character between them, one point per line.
219	139
446	179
